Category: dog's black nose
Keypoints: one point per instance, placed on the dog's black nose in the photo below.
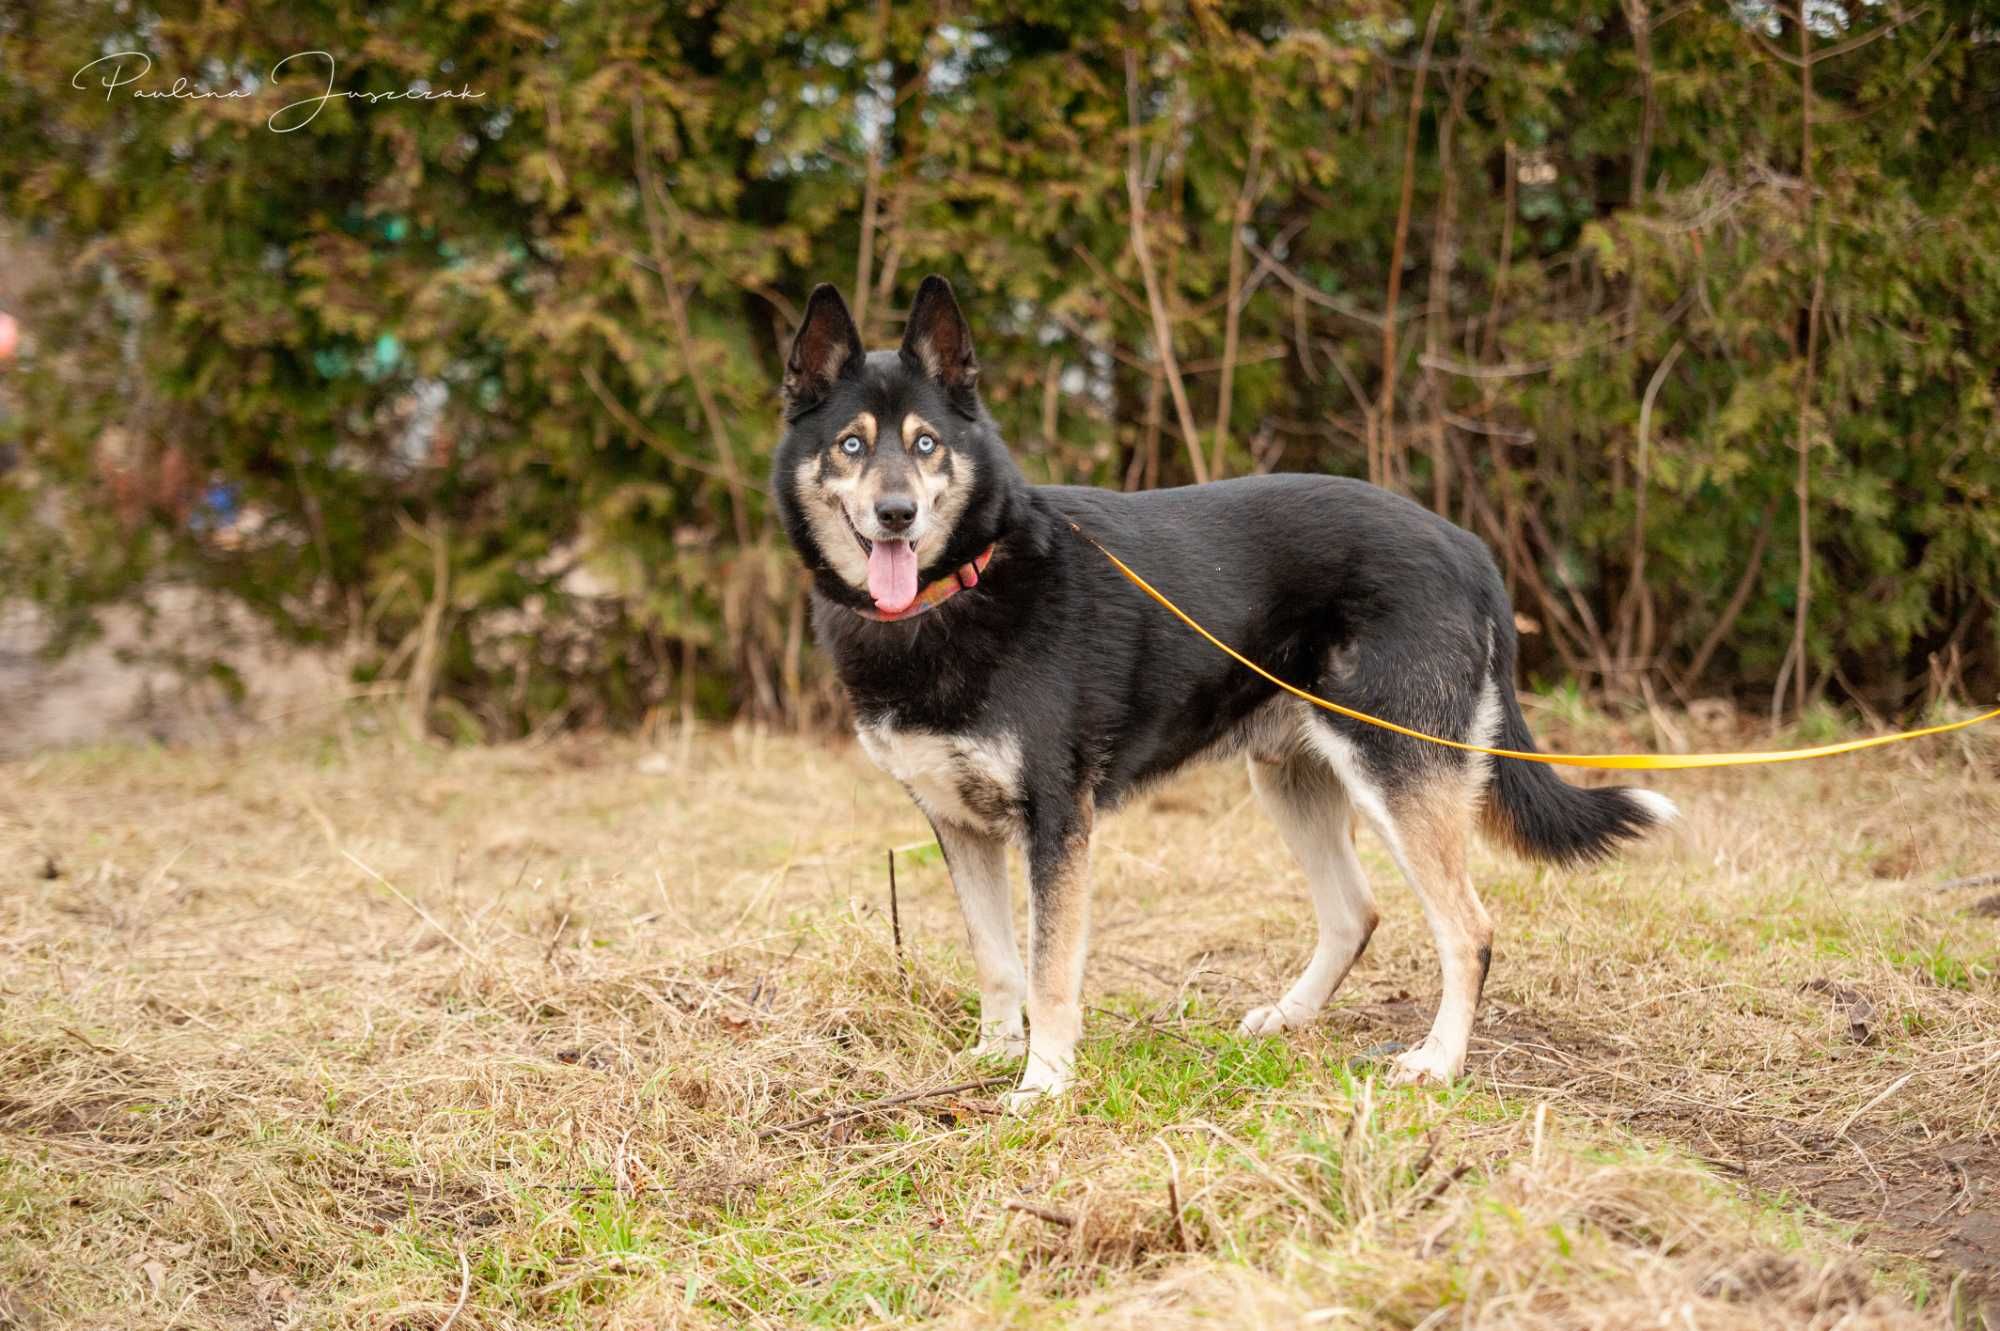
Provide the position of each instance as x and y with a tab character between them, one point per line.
896	512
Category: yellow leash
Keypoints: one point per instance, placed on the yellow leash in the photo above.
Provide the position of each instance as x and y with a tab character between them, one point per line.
1629	762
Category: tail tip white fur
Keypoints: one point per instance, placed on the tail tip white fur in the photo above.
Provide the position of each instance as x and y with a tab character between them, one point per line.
1659	810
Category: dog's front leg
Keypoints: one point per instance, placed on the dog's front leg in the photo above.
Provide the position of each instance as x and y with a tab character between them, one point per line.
978	865
1059	925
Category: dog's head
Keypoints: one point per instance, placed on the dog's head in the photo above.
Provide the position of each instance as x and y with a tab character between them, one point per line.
890	472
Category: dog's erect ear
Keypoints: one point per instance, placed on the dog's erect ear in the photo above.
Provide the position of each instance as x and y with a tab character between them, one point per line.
937	340
828	347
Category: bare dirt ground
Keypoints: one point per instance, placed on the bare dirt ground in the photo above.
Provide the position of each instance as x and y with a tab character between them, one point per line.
336	1029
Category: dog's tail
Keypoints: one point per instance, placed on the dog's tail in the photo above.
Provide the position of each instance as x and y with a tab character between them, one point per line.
1544	817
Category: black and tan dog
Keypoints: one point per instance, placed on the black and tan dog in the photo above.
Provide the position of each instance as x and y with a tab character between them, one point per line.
1003	671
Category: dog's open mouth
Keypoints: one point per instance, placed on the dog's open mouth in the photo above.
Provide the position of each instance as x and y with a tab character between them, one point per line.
892	571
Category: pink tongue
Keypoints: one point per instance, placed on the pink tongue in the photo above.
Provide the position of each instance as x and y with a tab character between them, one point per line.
892	576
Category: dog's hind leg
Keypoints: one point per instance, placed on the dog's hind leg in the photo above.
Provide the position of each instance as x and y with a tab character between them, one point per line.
1427	823
1059	925
978	865
1316	818
1433	829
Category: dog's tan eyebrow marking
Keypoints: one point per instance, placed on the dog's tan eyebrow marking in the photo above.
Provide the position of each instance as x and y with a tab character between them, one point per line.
863	424
914	425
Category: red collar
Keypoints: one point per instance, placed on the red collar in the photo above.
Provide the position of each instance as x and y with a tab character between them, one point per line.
935	595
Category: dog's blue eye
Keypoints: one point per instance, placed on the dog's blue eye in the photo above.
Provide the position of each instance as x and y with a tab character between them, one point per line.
851	445
926	444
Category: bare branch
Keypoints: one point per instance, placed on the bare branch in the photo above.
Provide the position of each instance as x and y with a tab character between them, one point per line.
638	428
1635	609
864	259
1471	426
1520	369
1163	332
652	197
1050	1214
1809	57
1863	112
1382	459
1737	600
840	1112
1110	280
1306	291
1239	219
1796	665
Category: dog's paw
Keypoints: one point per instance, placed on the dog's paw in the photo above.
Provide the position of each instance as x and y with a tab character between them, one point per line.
1269	1020
1043	1081
1426	1065
1027	1100
999	1046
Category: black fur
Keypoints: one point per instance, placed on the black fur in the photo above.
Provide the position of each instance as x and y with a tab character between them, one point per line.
1330	583
1546	818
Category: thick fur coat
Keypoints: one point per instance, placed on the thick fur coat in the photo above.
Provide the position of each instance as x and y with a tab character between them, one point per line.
1033	696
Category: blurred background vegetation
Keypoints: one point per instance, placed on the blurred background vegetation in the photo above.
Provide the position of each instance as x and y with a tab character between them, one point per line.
1691	310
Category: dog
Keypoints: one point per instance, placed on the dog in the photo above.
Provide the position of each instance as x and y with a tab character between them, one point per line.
1002	670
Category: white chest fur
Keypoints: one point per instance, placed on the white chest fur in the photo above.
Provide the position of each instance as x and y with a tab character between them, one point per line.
971	780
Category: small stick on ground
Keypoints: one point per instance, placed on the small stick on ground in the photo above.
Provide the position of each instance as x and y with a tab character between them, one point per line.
464	1289
86	1041
895	915
1174	1195
1964	1190
1886	1092
1974	880
549	953
1049	1214
853	1111
622	1182
1438	1188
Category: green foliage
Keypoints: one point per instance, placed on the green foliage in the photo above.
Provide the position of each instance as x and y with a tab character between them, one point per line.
491	382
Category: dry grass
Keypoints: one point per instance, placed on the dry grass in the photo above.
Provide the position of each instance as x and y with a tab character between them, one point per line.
340	1031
